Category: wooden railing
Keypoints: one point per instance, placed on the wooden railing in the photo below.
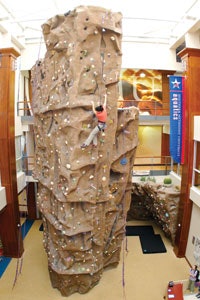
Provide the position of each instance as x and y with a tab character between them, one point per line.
24	108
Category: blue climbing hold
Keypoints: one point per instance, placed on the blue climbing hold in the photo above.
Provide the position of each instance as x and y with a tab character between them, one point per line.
123	161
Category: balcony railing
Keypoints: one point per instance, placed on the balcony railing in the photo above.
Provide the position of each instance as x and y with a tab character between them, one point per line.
155	166
27	165
24	108
147	107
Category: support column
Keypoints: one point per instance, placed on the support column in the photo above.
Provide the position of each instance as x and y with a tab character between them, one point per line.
10	230
191	61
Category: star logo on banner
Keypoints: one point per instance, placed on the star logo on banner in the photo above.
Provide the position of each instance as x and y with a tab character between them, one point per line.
176	83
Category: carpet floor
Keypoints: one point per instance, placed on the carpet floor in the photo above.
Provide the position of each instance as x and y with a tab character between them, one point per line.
145	276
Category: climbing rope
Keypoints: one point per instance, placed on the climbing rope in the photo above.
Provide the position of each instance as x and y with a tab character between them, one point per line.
125	165
21	233
19	259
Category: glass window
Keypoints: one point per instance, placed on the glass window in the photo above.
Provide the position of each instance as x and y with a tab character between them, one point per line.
18	153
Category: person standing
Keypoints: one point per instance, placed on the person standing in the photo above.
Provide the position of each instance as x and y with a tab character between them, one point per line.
197	284
192	278
198	295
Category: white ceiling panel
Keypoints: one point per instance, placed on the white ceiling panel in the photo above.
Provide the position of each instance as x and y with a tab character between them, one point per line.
149	20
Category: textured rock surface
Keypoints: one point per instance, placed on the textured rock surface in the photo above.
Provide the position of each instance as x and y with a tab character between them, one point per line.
83	195
156	202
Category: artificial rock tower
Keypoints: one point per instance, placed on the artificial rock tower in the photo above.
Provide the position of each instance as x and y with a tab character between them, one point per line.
83	194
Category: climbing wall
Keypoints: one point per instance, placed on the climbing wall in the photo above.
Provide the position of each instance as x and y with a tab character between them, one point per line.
83	194
156	202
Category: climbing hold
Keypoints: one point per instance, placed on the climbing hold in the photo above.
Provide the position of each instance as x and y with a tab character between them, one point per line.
123	161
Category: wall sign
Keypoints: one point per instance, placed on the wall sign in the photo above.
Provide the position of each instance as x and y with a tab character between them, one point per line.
176	84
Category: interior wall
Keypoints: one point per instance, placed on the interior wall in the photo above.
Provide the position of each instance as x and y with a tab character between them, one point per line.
149	147
30	148
149	56
31	54
193	244
3	200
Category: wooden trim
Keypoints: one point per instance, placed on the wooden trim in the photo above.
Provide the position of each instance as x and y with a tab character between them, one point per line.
10	232
191	60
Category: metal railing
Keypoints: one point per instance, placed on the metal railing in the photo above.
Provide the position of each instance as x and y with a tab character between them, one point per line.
154	165
27	164
150	107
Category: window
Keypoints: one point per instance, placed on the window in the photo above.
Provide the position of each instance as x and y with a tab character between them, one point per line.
196	165
18	153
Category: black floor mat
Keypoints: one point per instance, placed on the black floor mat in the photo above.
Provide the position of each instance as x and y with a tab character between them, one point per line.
41	227
139	230
152	244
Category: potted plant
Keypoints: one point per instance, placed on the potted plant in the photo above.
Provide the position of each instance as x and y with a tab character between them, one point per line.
167	181
151	178
143	178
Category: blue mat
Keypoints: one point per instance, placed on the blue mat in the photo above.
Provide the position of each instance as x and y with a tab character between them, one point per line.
26	226
4	261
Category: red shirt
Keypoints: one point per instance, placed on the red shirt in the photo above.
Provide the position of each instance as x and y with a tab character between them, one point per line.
101	116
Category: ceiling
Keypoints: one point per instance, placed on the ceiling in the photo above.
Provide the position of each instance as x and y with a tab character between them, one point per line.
143	20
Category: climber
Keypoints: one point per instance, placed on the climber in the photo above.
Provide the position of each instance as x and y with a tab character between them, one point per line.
101	115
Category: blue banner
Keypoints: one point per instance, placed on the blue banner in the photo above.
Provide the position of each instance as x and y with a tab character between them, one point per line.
176	110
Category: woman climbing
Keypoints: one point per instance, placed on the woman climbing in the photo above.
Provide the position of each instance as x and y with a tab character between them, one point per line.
101	115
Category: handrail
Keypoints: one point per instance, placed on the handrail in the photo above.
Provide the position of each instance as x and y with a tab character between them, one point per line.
166	164
143	106
153	107
25	107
